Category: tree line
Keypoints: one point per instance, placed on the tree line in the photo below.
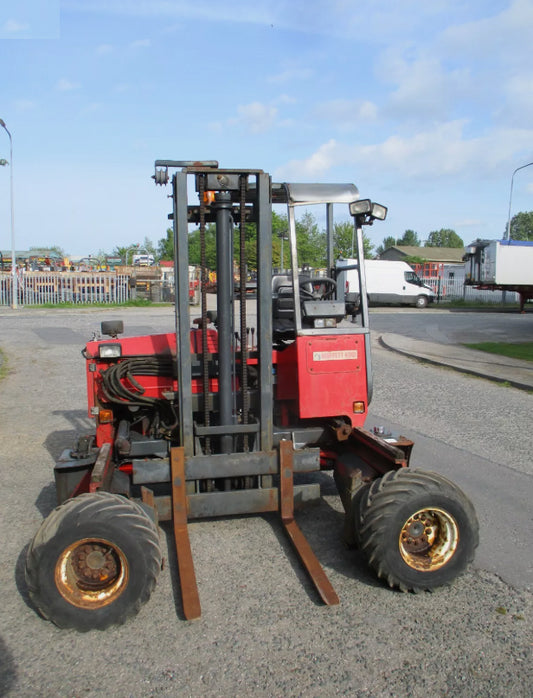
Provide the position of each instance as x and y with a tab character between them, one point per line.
310	242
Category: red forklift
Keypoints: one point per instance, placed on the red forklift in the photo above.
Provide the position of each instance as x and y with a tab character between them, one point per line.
221	416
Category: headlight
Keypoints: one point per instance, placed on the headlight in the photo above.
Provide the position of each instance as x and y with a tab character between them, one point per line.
322	322
379	211
109	351
361	206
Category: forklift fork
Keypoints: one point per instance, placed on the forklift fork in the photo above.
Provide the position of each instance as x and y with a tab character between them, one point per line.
189	589
301	545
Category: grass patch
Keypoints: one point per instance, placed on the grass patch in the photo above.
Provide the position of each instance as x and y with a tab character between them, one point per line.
480	304
3	364
522	350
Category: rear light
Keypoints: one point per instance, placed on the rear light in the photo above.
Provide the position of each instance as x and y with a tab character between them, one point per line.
105	416
359	407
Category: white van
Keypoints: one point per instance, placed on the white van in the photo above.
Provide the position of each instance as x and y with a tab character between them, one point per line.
386	283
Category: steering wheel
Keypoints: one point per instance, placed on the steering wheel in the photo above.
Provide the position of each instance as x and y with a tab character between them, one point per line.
322	288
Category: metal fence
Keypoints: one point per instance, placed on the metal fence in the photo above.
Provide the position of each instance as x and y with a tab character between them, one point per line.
455	289
40	288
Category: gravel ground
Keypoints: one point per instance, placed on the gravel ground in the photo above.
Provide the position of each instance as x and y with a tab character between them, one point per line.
262	630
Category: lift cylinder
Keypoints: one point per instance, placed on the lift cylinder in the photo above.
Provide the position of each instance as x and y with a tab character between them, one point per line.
225	290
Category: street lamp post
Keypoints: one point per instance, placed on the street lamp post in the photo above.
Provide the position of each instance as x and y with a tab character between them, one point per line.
13	252
511	196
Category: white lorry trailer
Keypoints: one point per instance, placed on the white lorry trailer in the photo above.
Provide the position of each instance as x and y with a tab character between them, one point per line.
387	282
501	265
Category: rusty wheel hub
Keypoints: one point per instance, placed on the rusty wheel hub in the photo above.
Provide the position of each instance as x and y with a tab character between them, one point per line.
428	539
91	573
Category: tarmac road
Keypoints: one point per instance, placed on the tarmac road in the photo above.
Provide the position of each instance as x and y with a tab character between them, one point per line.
263	631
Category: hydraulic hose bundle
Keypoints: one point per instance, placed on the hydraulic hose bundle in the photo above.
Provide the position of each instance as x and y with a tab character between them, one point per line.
120	387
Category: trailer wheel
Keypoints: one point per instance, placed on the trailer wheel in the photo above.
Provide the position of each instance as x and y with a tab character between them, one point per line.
421	301
93	562
418	530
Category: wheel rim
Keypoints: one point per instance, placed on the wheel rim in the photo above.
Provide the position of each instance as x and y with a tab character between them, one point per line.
428	539
91	573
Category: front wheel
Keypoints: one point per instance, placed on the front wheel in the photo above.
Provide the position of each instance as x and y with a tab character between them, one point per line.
93	562
421	301
418	530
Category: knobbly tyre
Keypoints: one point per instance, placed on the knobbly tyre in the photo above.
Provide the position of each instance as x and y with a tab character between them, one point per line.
220	420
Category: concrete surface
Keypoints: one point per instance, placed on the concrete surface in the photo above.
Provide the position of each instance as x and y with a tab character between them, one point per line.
479	363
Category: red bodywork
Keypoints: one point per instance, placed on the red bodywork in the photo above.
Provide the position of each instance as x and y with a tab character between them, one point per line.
317	376
323	377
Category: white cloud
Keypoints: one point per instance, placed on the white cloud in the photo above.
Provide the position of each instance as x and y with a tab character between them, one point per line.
503	36
241	10
25	104
141	43
443	151
317	164
14	26
517	106
347	112
284	99
291	75
65	85
427	89
103	49
257	117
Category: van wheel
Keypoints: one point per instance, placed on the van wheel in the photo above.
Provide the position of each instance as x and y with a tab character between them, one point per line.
421	301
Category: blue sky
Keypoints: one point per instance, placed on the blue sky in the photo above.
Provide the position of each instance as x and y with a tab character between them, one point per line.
426	106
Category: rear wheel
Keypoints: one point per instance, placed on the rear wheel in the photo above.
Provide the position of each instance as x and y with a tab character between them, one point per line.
93	562
417	529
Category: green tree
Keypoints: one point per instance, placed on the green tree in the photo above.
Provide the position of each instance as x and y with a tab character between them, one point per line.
521	226
126	252
409	239
148	247
210	247
165	246
344	242
445	237
310	242
56	249
387	242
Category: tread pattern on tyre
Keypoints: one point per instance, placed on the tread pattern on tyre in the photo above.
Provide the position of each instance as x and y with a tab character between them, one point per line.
78	511
375	512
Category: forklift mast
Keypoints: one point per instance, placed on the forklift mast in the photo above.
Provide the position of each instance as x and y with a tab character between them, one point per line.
254	375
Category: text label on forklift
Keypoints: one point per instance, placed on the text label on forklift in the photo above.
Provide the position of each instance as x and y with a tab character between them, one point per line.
335	355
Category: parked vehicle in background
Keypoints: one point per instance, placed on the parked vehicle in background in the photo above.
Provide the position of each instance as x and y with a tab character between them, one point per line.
143	260
501	265
387	282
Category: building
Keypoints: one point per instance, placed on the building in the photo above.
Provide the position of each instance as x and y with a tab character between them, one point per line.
435	262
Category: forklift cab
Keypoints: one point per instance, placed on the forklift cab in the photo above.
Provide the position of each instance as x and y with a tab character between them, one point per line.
303	302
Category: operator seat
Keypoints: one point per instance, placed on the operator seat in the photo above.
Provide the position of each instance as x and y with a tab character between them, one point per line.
283	327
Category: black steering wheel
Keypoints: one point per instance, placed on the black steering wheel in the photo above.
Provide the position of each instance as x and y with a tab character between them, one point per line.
317	288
